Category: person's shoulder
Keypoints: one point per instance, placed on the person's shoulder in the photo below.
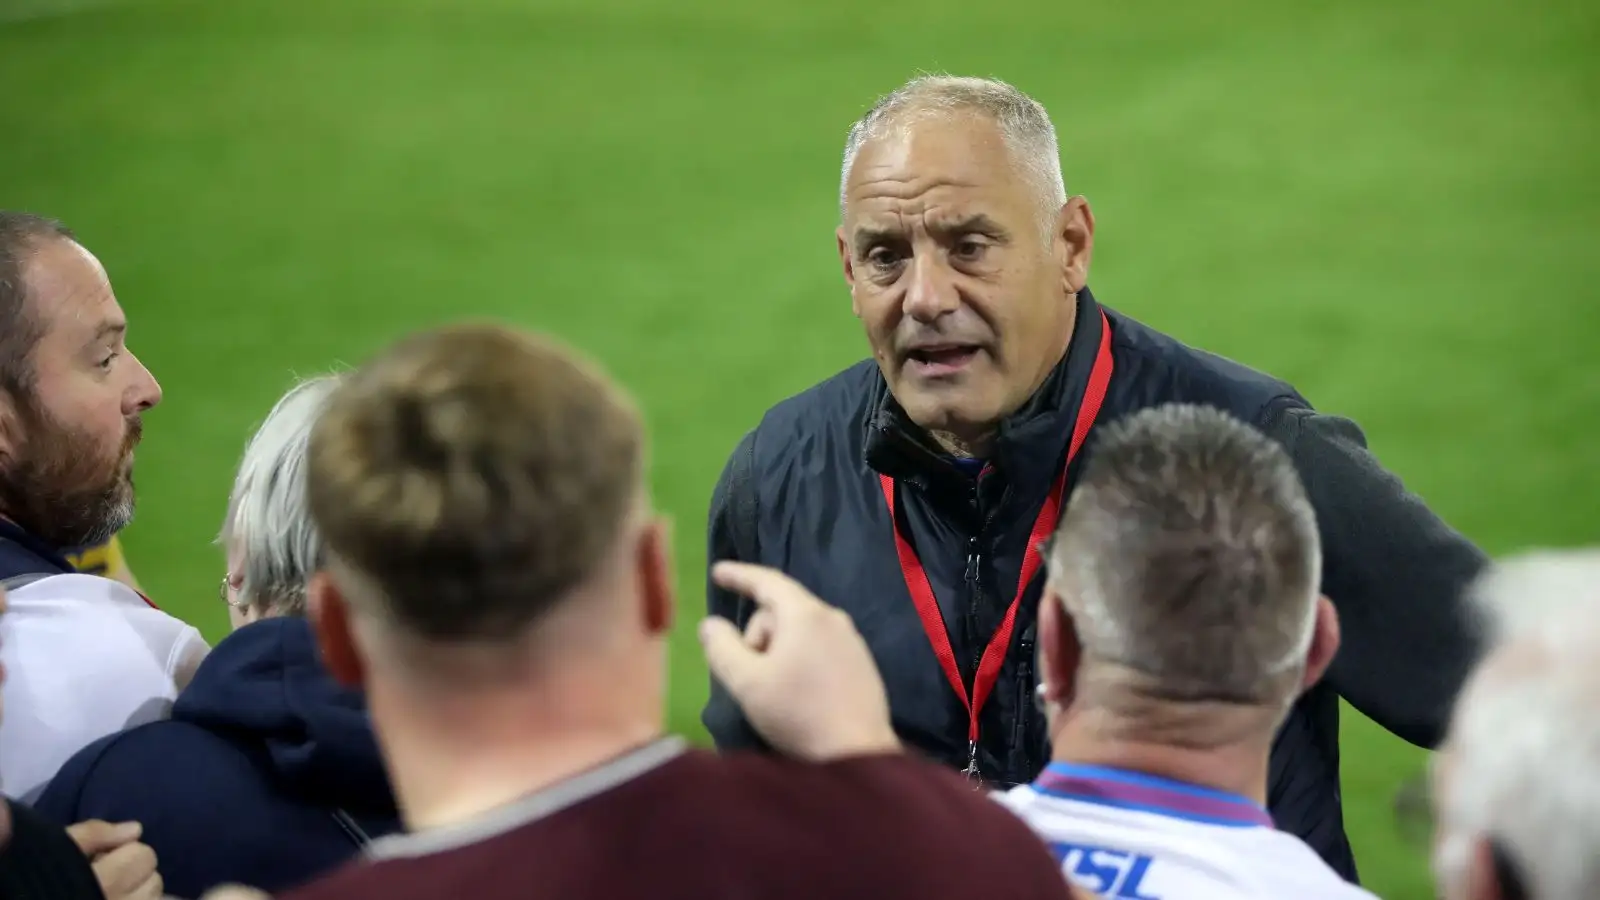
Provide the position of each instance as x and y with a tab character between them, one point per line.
1294	869
890	793
157	759
841	398
825	417
358	878
1157	367
90	590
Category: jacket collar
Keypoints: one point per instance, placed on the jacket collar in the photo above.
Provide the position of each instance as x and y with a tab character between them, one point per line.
1030	442
21	553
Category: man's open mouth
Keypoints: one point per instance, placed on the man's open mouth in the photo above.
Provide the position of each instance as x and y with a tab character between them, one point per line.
943	359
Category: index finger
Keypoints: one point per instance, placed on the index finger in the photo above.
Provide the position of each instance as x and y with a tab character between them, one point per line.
772	590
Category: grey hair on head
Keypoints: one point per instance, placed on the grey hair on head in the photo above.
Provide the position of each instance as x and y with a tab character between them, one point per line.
1024	122
1189	552
268	526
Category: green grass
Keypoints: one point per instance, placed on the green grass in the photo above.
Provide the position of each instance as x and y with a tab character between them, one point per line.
1391	204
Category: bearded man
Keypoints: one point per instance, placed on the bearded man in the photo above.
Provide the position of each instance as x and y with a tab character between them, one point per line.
84	656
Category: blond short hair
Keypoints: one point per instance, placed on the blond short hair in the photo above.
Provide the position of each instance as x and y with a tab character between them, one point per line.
473	477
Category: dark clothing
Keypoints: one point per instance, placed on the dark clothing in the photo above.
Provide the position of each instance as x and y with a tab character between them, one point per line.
801	492
39	861
267	774
662	823
23	555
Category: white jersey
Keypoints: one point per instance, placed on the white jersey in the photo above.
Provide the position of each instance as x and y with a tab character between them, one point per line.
1129	836
84	657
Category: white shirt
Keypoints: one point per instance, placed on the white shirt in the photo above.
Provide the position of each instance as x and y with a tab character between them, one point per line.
1129	836
84	657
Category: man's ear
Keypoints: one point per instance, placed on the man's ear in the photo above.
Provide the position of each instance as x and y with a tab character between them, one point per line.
1059	650
1324	643
330	619
849	264
655	576
1074	243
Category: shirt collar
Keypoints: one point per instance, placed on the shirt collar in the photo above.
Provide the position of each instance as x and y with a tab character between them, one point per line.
1123	789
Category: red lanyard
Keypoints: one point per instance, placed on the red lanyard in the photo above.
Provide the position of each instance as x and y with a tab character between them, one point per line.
994	655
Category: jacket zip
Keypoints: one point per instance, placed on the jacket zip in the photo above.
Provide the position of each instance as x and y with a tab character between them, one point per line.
975	575
974	599
1024	707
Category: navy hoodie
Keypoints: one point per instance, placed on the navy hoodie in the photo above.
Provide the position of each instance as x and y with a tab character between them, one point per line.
267	774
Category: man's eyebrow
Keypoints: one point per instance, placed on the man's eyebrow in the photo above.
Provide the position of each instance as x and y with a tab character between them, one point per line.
109	330
977	223
869	236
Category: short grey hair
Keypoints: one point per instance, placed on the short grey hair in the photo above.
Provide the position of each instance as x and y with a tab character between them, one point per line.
1525	736
1189	553
1026	125
268	524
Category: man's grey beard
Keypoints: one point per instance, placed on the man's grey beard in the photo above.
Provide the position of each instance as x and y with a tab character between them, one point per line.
116	518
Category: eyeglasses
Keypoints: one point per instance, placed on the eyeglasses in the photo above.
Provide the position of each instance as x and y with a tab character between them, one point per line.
223	590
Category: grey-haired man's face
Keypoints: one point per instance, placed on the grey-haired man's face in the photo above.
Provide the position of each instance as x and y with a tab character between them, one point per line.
965	297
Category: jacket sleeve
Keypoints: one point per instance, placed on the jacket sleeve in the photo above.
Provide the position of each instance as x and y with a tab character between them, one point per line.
731	535
62	801
1395	572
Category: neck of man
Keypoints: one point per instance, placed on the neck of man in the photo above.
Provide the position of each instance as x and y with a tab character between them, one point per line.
455	755
967	445
1222	748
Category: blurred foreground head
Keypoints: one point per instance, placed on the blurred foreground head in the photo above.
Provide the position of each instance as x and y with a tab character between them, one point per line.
1517	783
480	493
1183	603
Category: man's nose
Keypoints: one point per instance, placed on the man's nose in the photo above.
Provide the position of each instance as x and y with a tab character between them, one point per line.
146	390
931	292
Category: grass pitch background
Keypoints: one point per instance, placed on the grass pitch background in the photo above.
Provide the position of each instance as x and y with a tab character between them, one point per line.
1393	205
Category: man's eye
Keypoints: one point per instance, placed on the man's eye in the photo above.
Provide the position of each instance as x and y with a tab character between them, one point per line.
970	248
108	360
883	257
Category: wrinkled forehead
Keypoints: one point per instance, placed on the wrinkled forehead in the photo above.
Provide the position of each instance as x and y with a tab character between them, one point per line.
68	288
946	164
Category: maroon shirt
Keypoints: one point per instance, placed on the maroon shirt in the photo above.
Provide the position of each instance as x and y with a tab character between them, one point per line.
663	822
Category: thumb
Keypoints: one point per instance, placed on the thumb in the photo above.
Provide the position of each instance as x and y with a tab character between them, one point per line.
728	656
95	836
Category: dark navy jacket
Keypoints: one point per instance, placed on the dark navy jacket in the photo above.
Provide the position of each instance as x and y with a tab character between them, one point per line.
267	774
801	492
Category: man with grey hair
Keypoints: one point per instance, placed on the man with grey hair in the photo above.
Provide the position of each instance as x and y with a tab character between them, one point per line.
1180	620
1517	783
913	487
267	773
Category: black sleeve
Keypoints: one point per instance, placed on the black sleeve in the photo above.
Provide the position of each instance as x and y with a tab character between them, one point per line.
1396	573
38	859
731	535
